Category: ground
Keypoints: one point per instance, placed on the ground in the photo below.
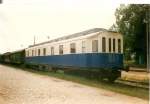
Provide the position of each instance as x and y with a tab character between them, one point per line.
22	87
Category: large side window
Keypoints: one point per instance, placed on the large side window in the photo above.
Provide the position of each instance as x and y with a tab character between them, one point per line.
114	43
103	44
109	44
83	47
52	50
72	48
39	52
60	49
44	51
119	46
94	45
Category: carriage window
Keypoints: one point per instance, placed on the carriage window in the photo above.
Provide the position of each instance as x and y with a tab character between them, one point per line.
72	48
61	49
27	54
83	47
35	53
114	42
39	52
94	45
32	52
103	44
44	51
119	46
52	50
109	44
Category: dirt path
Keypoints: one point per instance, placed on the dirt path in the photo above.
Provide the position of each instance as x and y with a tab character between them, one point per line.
21	87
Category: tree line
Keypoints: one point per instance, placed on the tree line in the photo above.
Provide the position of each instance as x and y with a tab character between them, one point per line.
133	22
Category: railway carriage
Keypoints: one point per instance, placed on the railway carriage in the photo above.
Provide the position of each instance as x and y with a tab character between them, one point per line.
96	48
15	57
5	58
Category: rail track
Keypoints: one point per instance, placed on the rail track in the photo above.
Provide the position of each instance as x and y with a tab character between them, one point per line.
144	85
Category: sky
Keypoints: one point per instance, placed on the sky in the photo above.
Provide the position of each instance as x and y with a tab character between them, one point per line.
22	20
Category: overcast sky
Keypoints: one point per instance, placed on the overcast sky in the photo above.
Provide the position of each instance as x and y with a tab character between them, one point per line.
21	20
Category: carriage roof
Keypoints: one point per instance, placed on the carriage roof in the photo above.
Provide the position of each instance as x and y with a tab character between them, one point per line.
83	33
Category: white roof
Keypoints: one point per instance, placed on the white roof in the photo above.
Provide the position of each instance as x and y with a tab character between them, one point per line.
83	33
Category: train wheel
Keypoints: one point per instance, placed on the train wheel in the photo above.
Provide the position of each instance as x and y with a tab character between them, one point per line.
114	75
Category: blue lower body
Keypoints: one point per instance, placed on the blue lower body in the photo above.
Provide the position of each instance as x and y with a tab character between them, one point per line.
86	60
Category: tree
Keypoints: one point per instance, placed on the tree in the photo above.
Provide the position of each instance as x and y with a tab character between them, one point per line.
130	22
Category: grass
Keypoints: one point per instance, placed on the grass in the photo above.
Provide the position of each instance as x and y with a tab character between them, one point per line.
119	88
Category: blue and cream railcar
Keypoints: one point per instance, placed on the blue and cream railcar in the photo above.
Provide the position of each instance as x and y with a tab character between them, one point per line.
95	48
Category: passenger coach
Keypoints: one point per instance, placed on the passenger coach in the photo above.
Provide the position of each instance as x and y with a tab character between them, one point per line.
93	49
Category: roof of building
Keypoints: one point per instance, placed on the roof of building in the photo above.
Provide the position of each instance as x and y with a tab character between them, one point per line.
73	35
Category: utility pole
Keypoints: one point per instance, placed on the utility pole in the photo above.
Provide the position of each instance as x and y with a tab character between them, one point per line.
34	41
48	37
148	37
